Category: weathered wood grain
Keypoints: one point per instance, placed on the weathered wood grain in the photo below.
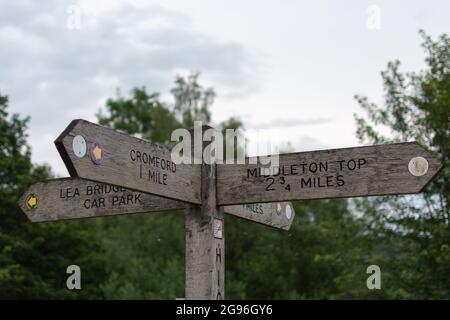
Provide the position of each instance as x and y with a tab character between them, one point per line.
74	198
129	162
205	249
275	214
335	173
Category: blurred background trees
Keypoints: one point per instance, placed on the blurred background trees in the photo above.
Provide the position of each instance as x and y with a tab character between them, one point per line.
323	256
34	257
413	232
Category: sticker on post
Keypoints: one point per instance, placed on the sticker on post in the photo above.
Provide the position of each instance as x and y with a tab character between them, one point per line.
96	153
32	201
79	146
279	208
218	228
418	166
288	212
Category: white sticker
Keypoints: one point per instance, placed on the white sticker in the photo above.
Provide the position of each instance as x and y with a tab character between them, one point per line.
288	212
79	146
418	166
218	228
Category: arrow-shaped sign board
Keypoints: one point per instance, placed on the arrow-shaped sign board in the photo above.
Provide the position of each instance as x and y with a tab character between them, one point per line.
70	198
74	198
276	214
100	154
390	169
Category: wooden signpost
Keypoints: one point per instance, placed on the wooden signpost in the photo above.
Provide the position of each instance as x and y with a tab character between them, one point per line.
113	173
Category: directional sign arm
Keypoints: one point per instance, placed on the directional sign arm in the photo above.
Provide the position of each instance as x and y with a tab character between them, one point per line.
73	198
390	169
276	214
100	154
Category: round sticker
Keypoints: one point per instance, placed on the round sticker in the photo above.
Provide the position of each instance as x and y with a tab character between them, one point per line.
79	146
32	201
288	212
418	166
96	152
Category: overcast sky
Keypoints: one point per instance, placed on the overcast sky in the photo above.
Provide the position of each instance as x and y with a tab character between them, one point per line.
289	66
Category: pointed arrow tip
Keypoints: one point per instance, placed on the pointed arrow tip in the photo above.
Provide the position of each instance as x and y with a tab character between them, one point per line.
28	201
67	130
437	167
433	165
59	143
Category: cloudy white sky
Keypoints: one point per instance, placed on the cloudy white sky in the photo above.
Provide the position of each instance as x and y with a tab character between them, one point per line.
289	66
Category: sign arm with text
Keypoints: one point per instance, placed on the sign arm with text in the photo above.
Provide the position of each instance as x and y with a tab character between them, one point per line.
75	198
276	214
391	169
100	154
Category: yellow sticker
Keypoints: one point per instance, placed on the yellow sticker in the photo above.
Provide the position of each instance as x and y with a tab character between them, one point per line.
32	201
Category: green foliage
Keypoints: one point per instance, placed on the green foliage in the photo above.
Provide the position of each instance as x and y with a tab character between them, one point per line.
192	102
142	114
413	233
146	256
264	263
34	257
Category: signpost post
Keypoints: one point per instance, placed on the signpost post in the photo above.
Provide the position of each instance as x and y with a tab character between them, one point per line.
205	238
113	173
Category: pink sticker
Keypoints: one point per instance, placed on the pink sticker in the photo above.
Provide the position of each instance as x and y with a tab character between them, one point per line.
218	228
279	208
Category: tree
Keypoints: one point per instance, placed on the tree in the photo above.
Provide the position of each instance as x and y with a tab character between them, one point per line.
142	114
304	263
192	101
34	257
413	231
